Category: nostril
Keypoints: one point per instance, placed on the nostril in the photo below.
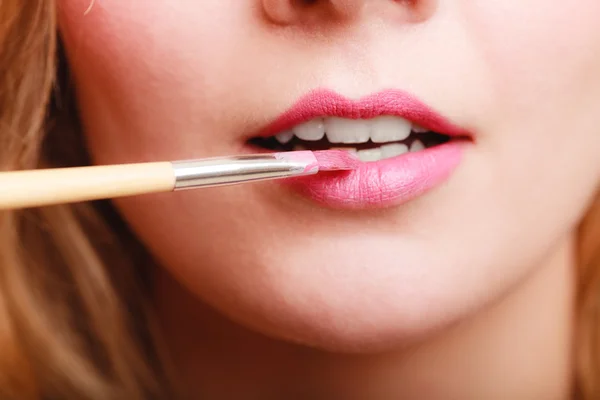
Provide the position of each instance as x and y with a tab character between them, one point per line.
281	12
311	12
286	12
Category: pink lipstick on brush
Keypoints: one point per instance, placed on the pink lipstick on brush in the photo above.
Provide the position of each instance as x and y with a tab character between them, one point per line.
34	188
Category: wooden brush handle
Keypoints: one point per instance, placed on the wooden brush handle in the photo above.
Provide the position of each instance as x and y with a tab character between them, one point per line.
35	188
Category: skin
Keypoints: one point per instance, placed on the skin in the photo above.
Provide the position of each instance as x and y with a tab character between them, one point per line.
448	296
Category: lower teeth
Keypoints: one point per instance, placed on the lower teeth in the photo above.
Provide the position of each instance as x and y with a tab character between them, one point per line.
377	153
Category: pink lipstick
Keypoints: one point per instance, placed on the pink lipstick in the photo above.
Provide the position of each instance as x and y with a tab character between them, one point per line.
383	182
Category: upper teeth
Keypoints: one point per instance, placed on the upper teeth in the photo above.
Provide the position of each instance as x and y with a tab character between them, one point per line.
311	130
382	129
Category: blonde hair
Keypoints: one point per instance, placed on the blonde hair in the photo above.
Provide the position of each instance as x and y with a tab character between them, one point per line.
74	305
587	378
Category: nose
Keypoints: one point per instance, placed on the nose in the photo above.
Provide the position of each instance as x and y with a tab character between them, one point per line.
287	12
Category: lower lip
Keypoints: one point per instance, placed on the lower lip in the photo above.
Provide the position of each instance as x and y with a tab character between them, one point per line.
384	183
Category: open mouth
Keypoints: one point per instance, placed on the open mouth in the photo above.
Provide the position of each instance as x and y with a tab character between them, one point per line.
407	148
371	139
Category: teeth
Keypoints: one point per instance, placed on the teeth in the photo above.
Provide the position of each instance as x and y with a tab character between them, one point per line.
348	149
383	152
417	145
389	129
369	155
385	130
341	130
284	137
311	131
393	150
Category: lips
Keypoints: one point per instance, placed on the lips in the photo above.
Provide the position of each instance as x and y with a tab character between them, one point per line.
387	182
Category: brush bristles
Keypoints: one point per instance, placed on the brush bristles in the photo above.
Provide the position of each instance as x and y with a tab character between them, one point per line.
336	160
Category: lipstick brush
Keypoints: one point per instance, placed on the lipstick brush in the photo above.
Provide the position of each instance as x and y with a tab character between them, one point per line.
34	188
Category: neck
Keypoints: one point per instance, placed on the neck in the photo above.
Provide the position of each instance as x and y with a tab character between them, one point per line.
519	348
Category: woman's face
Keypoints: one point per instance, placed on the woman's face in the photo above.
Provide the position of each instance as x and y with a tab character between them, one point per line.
337	266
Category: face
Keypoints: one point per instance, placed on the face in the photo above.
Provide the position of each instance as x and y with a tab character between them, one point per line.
399	248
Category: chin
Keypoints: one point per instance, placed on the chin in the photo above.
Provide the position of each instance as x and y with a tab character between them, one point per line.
328	281
353	303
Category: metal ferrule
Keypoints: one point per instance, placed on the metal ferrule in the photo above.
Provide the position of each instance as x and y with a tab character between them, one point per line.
231	170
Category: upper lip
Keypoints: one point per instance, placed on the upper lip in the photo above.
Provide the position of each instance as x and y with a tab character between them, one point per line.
326	103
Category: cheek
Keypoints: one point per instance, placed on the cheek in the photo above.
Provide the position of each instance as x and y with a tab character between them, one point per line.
537	49
147	69
518	34
114	53
111	38
544	63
